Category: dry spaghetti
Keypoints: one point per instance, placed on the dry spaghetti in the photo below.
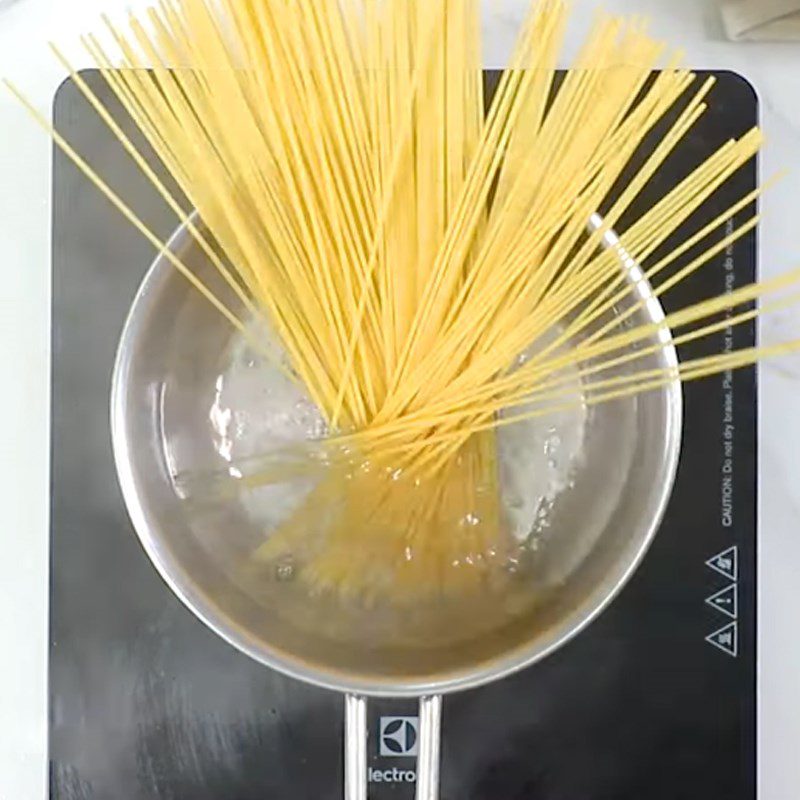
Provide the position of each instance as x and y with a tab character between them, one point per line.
407	246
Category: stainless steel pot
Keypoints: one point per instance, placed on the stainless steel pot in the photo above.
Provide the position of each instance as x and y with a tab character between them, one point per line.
172	350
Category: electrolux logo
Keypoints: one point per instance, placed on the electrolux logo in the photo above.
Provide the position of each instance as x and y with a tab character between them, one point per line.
398	736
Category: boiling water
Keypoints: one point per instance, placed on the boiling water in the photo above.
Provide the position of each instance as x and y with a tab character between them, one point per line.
257	410
252	411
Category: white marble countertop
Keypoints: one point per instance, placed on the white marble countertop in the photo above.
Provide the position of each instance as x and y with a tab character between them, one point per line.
25	27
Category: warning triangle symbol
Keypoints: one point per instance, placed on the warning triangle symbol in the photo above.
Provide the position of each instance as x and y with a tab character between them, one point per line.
726	563
726	639
726	601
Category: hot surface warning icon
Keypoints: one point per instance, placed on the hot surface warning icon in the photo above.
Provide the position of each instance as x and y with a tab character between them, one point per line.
726	639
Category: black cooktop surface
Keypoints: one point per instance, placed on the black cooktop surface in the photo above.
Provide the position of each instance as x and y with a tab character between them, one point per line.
656	700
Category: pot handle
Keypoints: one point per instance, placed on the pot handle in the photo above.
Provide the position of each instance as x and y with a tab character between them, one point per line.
430	740
355	747
355	753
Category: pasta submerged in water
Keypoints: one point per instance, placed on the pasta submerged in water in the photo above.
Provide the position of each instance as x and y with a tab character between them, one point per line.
407	245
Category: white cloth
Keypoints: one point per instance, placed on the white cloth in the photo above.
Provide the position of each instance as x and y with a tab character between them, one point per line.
762	20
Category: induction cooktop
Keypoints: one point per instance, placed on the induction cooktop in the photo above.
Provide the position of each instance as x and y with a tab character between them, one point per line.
656	700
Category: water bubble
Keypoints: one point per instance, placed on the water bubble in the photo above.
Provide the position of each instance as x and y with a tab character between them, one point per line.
284	571
512	565
319	430
552	444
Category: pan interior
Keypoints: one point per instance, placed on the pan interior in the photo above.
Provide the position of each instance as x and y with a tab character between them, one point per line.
191	399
